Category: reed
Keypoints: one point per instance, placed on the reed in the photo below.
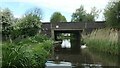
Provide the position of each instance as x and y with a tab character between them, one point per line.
103	40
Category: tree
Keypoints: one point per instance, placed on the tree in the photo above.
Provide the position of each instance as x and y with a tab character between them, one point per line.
81	16
90	17
57	17
112	15
35	11
63	19
6	20
30	23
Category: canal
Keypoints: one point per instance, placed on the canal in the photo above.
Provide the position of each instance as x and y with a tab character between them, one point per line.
82	57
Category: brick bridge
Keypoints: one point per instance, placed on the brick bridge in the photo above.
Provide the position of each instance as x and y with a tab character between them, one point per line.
51	29
76	28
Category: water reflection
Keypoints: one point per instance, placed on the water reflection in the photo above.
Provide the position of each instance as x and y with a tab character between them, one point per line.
61	64
91	65
80	56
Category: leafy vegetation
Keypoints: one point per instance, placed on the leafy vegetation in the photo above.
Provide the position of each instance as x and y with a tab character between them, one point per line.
80	15
112	15
31	52
0	54
6	21
57	17
13	28
23	46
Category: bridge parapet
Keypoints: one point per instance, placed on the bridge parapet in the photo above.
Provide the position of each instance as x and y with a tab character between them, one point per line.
49	28
77	26
68	26
95	25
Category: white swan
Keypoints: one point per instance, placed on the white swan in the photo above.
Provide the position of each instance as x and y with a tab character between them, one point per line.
66	43
63	44
83	46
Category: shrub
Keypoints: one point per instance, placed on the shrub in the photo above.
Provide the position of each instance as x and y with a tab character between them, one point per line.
28	53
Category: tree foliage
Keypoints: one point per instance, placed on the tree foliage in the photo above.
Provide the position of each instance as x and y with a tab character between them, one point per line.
81	15
90	17
112	15
57	17
7	21
35	11
30	24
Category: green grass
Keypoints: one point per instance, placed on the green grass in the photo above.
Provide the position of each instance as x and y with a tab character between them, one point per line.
31	52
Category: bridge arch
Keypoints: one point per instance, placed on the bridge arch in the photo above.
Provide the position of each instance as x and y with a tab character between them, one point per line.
52	29
75	43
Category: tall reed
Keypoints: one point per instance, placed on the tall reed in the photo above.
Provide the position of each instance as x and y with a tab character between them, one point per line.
103	40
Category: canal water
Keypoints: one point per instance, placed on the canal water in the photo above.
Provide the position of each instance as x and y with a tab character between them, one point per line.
81	56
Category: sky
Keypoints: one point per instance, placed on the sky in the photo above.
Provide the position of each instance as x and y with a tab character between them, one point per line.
48	7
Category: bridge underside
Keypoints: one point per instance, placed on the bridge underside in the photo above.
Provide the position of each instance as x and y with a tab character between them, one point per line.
77	33
74	42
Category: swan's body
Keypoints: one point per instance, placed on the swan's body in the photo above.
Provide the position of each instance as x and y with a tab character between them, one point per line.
63	44
66	43
83	46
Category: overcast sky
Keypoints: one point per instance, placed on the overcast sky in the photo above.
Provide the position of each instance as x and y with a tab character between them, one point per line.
66	7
